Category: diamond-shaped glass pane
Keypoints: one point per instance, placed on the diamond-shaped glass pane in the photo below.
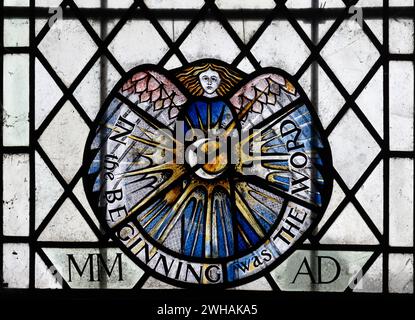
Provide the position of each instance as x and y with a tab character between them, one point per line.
61	141
68	48
289	54
350	54
353	148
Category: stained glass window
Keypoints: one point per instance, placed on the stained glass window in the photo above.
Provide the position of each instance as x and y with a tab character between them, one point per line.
95	93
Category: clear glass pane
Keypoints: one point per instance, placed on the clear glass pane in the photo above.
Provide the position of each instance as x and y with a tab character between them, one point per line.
16	32
16	194
16	99
401	105
401	204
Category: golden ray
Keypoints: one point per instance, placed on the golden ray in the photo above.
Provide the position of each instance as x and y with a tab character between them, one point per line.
199	119
178	203
142	140
256	133
195	184
275	166
189	122
158	207
177	173
132	240
243	112
149	120
169	198
158	168
251	191
145	141
243	234
147	132
271	178
246	189
139	247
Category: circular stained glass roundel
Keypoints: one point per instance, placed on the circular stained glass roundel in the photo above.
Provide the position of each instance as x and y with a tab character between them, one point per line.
205	175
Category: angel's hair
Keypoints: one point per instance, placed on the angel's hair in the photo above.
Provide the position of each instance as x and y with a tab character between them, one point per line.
189	77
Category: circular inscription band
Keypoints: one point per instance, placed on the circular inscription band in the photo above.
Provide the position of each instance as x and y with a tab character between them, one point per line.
205	175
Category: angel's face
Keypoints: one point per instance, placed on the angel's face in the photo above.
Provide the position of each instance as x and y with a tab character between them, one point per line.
210	81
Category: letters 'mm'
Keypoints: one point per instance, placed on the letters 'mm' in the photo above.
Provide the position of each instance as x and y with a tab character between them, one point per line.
97	266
